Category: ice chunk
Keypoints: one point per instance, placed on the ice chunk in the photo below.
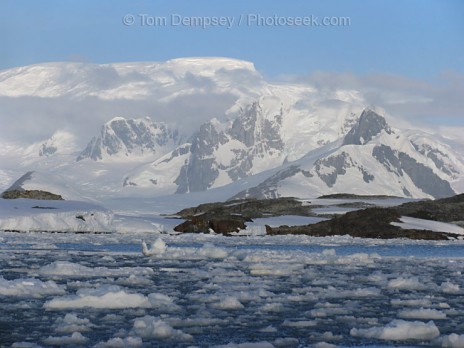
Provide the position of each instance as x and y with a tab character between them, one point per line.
151	327
209	251
263	344
453	341
422	314
157	248
29	287
411	302
449	288
287	342
111	297
406	284
399	330
25	345
127	342
69	269
229	303
75	339
72	323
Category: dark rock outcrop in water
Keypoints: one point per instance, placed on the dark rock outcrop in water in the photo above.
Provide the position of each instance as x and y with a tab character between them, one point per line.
231	216
367	223
449	209
205	223
373	222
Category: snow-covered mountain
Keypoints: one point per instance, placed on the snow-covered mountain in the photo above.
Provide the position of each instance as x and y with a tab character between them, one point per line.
266	134
372	158
122	139
215	123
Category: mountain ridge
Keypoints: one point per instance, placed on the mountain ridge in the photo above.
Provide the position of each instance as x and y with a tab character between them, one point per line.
269	139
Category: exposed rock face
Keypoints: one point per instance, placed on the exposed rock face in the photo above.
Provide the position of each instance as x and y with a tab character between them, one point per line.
232	216
18	191
445	210
205	223
47	150
124	137
369	125
373	222
340	164
31	194
367	223
372	159
422	176
200	171
439	158
251	209
252	136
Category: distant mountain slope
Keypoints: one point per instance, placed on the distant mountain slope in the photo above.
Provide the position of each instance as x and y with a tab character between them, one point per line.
130	138
213	123
372	158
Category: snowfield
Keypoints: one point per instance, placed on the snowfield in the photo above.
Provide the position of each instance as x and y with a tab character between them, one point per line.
148	289
56	216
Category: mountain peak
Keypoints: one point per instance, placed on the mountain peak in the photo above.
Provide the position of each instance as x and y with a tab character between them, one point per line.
370	124
124	137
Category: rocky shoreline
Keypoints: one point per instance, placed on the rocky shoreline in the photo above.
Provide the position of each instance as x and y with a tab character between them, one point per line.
368	222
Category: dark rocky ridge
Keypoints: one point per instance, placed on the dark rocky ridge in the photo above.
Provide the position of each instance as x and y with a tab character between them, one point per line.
231	216
31	194
449	209
367	223
17	191
373	222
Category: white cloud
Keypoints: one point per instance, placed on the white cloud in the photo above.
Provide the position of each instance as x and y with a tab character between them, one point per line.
437	101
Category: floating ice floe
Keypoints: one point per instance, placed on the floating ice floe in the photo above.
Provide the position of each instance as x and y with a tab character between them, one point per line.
69	269
151	327
29	287
72	323
75	339
453	341
157	248
207	251
118	342
400	330
424	314
107	297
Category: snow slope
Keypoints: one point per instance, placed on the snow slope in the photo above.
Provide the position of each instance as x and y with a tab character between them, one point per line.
53	216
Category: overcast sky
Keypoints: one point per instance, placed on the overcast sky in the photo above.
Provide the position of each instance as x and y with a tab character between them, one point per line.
406	56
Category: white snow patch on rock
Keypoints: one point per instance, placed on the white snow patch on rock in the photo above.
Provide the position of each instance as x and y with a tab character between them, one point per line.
422	224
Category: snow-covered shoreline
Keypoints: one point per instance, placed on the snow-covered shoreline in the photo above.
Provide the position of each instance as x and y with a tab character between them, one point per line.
54	216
